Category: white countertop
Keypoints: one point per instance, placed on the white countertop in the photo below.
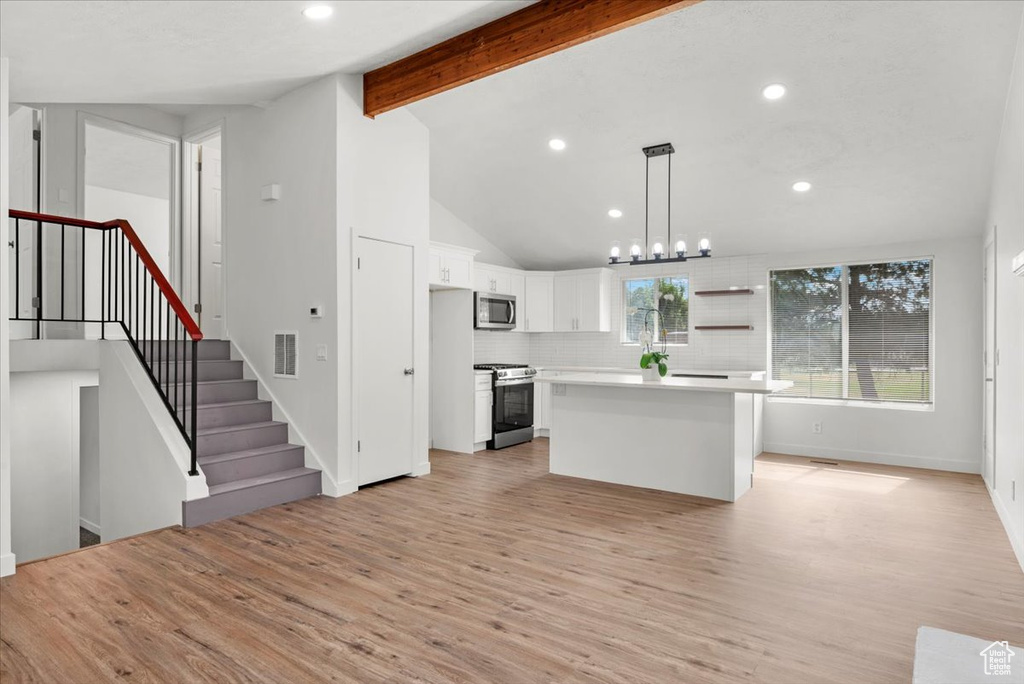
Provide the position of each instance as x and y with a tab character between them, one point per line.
697	384
729	373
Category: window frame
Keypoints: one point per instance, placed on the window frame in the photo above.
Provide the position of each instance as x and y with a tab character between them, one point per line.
623	284
845	400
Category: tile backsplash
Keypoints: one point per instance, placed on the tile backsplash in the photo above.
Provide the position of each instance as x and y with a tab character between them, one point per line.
724	350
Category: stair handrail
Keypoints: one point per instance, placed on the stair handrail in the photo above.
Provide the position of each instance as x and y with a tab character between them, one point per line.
171	297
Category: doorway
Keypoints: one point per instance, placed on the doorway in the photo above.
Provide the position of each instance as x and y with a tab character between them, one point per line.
989	466
205	214
383	359
129	173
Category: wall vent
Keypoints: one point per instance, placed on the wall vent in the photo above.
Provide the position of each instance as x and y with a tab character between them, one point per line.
286	355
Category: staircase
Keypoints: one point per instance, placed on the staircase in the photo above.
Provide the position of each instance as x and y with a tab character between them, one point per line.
243	452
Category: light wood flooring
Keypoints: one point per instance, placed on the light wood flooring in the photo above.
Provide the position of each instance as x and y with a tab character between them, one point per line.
492	570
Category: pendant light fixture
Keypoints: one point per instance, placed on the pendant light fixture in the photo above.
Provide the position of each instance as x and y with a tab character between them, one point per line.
659	249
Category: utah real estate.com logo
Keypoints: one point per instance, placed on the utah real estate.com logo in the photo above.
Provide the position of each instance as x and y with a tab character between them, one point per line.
997	658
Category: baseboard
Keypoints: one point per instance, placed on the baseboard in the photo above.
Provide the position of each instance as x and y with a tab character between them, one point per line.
901	460
7	564
329	486
421	469
1016	543
91	526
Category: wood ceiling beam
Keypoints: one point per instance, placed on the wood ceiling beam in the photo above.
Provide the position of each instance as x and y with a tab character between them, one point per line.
527	34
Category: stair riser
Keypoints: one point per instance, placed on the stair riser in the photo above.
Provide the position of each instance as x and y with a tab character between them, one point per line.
202	511
253	466
210	370
233	415
232	391
209	350
240	440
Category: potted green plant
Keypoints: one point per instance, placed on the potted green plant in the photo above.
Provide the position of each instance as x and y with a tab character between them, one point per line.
653	364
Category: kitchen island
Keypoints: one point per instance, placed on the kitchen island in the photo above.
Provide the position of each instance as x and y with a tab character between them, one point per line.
686	435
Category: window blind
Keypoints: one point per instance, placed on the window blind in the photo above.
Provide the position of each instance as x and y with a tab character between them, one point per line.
882	353
890	329
807	331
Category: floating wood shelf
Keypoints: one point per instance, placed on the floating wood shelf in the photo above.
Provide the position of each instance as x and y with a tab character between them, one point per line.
722	293
723	327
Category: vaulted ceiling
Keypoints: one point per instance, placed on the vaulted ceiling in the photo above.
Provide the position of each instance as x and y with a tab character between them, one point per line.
227	52
893	113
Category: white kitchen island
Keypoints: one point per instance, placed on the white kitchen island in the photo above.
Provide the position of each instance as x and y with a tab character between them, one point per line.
686	435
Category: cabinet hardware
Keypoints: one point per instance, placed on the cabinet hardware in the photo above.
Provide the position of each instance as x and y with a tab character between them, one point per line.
409	371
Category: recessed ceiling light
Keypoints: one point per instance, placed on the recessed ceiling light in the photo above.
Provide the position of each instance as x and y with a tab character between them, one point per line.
556	144
801	186
318	12
615	213
774	91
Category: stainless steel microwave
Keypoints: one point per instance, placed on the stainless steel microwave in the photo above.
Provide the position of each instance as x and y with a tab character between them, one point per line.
494	311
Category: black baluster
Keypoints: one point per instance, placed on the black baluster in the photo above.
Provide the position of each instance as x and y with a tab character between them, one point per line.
195	392
63	232
39	280
82	291
17	268
103	284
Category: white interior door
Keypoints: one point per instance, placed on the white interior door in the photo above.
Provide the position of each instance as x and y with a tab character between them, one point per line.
23	195
211	241
384	356
989	469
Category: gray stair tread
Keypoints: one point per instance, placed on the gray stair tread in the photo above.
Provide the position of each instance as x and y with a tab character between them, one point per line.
215	382
232	428
237	402
261	480
246	453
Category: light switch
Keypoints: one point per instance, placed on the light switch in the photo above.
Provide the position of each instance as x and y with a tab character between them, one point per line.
321	352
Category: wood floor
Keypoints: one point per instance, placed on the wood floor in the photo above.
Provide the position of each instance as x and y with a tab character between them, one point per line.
492	570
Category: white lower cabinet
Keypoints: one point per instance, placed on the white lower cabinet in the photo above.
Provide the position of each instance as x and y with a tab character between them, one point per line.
542	403
482	416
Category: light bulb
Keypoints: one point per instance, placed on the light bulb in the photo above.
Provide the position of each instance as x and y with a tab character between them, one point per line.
556	144
616	252
705	247
774	91
615	213
658	247
318	12
634	250
680	248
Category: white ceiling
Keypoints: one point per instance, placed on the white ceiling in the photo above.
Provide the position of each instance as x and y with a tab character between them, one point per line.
232	52
893	113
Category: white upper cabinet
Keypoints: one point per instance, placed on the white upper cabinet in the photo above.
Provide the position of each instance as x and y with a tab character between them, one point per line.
450	267
493	280
582	301
536	313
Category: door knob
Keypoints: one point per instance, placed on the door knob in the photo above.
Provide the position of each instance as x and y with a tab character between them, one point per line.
409	371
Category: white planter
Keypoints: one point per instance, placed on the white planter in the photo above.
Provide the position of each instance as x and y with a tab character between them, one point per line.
651	374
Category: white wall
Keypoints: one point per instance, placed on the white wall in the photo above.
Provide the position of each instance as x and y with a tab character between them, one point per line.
386	163
1006	214
281	256
144	460
948	437
89	459
7	558
448	228
45	461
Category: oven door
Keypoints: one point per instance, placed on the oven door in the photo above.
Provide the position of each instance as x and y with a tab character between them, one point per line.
513	405
494	312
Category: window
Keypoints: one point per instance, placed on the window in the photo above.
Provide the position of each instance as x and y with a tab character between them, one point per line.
670	297
861	331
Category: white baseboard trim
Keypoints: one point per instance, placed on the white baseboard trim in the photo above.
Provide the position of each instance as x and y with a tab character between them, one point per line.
337	489
1016	543
421	469
328	485
89	525
7	564
877	458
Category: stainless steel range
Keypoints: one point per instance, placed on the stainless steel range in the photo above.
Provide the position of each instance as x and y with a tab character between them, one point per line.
512	417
